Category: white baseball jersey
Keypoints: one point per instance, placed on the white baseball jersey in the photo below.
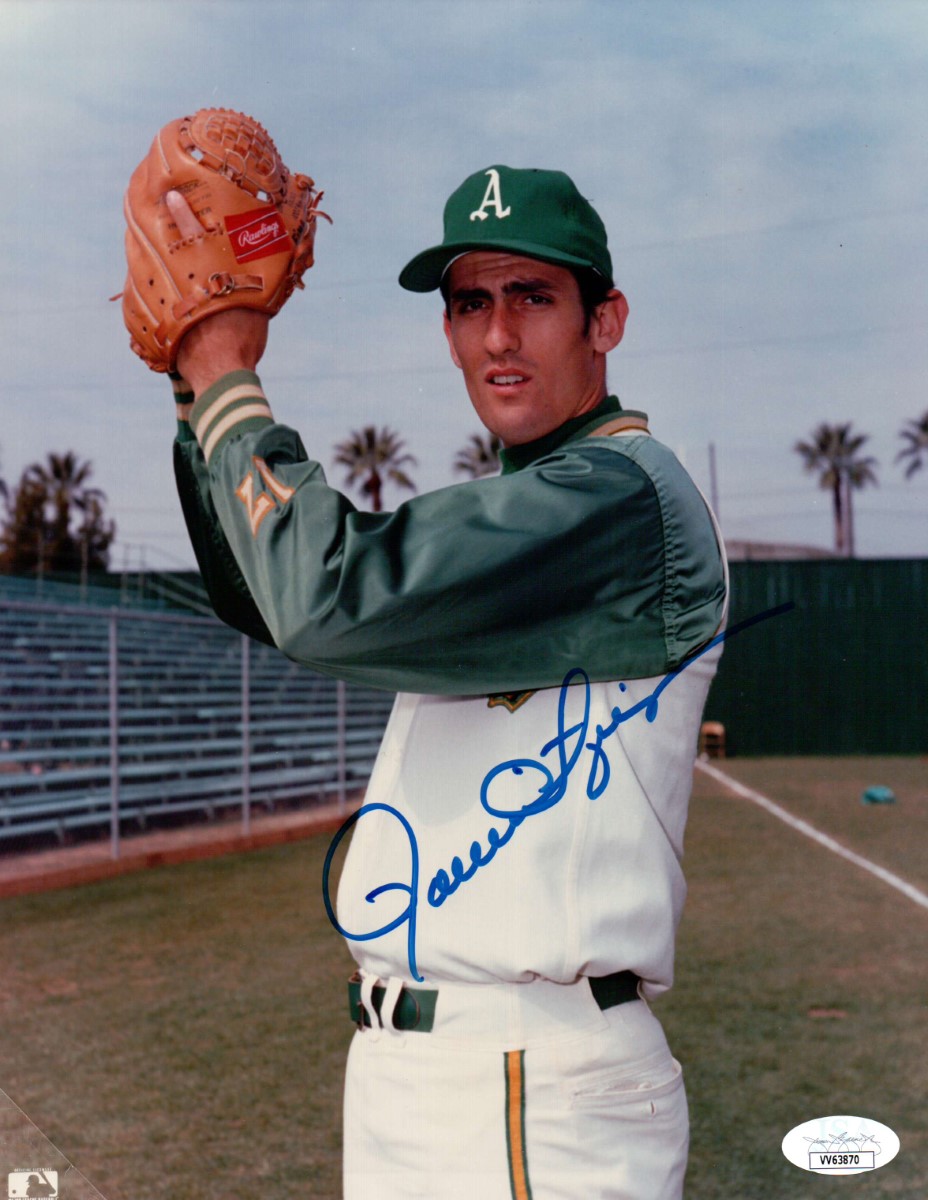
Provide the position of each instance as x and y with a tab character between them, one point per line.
588	883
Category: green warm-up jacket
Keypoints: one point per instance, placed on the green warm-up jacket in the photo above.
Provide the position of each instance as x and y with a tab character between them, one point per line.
590	551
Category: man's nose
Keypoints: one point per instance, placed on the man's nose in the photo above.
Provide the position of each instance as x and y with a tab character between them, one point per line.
502	334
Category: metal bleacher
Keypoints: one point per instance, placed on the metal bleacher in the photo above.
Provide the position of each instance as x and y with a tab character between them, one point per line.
107	708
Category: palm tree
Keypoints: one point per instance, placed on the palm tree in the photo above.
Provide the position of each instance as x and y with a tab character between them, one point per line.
24	537
64	480
915	434
38	531
370	455
480	456
832	452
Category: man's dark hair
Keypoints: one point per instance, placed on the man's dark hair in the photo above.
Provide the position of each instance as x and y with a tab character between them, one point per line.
594	289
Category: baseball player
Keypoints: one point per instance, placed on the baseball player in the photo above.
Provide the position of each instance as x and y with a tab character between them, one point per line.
513	883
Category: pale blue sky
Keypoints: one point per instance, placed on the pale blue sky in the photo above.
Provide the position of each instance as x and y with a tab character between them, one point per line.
762	170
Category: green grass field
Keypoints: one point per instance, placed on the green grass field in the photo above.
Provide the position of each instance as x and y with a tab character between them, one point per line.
777	930
182	1033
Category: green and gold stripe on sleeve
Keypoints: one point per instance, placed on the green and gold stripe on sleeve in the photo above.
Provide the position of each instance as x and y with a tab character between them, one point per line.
234	405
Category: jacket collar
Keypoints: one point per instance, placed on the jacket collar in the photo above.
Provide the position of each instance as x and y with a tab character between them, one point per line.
514	458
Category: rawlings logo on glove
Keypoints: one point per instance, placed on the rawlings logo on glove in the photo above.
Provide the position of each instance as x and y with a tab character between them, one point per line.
251	209
254	235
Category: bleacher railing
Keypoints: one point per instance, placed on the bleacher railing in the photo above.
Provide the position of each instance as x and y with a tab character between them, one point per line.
118	719
178	593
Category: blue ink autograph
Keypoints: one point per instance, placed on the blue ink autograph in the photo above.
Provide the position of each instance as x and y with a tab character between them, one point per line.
569	743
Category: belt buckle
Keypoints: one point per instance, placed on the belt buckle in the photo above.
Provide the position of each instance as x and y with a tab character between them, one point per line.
401	1019
407	1012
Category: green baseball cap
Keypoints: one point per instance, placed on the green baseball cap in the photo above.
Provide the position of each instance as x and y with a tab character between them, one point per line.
521	211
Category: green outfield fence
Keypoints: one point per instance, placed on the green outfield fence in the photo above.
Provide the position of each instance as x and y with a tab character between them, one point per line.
846	672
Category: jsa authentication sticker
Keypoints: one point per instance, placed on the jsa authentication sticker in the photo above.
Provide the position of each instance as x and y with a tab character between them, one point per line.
840	1145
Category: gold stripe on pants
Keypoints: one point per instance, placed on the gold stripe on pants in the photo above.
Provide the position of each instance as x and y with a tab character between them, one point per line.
515	1125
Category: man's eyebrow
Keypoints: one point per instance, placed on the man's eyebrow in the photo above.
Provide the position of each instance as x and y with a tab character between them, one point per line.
515	287
469	294
521	286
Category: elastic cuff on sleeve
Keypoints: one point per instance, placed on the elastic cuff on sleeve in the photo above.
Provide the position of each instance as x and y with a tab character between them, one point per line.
183	399
234	405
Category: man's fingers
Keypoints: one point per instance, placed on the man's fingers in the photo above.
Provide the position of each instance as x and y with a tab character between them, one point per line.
180	210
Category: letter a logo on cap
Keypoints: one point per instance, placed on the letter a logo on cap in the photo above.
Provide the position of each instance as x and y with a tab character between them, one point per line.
493	198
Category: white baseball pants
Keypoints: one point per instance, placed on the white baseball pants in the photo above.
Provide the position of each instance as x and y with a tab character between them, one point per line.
520	1092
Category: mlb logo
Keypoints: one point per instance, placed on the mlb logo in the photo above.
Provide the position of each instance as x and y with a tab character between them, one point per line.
22	1185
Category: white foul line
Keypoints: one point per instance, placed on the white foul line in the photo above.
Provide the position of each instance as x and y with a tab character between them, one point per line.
816	835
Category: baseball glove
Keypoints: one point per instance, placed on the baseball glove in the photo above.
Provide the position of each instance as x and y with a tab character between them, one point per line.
258	224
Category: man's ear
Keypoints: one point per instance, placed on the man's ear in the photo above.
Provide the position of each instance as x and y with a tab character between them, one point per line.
454	353
608	322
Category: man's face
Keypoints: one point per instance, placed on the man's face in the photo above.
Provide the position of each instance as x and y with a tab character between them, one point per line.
516	330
